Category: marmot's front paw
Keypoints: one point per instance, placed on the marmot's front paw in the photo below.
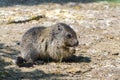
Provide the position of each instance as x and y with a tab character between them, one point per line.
72	50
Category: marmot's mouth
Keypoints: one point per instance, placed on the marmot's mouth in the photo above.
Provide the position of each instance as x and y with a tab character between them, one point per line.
69	46
72	45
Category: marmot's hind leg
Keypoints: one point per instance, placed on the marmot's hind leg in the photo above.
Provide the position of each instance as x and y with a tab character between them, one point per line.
28	56
20	61
26	60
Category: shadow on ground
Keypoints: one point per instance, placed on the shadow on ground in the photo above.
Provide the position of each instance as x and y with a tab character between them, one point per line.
5	3
16	74
78	59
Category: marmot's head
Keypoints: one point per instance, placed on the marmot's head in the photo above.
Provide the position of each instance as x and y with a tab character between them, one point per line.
65	34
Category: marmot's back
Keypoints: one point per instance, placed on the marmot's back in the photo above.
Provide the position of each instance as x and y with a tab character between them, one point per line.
32	35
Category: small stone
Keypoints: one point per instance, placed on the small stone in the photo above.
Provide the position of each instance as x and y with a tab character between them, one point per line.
115	54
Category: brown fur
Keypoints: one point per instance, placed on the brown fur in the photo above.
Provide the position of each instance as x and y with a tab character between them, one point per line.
56	42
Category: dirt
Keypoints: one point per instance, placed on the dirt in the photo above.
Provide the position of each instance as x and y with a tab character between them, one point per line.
97	25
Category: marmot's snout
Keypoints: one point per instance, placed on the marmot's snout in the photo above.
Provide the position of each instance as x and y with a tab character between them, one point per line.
75	42
72	43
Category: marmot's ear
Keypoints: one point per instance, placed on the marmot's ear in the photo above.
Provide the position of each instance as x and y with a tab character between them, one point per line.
55	31
59	27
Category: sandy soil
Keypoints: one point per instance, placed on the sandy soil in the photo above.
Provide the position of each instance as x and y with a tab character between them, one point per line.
98	29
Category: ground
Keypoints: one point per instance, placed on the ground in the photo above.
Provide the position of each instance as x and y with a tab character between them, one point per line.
97	25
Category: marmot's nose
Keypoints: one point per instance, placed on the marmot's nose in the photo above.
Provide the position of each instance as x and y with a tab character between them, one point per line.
76	43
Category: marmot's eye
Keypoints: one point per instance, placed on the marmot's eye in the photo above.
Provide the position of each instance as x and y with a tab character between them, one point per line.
69	36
